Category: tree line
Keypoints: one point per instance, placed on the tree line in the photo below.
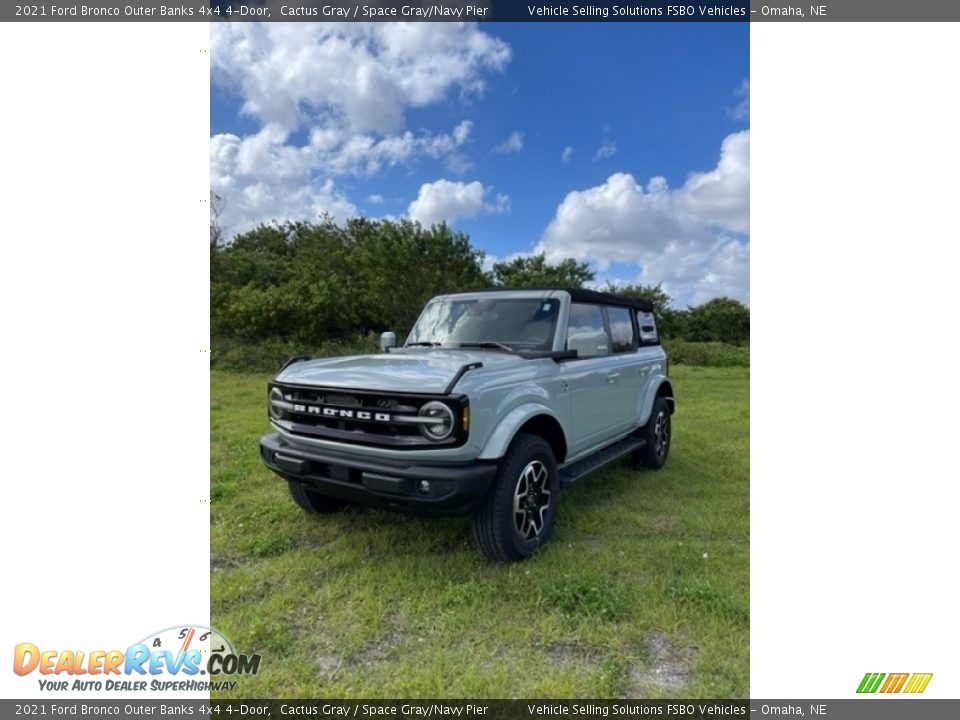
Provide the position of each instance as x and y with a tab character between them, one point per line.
311	283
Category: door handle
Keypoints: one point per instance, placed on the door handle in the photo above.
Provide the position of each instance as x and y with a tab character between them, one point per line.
612	377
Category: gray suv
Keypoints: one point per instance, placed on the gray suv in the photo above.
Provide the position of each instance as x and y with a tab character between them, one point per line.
497	401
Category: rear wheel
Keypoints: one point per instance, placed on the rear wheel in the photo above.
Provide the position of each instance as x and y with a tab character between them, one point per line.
518	514
312	501
657	433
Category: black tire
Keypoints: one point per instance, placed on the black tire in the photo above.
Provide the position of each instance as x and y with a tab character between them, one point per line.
517	516
657	433
312	501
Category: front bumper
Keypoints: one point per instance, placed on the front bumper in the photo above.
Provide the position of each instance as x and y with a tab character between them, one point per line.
455	489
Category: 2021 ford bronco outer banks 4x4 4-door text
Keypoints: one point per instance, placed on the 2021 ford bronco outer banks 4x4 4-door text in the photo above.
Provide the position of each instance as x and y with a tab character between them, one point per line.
497	400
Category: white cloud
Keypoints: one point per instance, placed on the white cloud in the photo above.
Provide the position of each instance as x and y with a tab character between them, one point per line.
721	197
446	201
695	272
262	177
567	154
512	144
375	199
462	131
349	87
607	149
340	153
684	237
741	111
613	221
458	163
262	180
365	74
501	205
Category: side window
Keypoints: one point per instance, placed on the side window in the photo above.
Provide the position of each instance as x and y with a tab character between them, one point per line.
586	332
648	329
621	329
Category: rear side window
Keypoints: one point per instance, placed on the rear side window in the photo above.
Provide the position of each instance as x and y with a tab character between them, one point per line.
621	329
648	329
586	332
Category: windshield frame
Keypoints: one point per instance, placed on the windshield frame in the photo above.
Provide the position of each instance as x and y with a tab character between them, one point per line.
512	345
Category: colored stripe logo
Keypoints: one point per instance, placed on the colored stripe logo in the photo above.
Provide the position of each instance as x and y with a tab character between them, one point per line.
894	682
918	683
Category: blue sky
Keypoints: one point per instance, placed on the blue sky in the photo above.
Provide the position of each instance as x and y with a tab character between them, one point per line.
624	145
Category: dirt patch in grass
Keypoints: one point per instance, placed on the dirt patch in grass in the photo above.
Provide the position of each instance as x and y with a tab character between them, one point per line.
381	648
328	664
667	668
307	627
221	562
314	540
663	524
572	654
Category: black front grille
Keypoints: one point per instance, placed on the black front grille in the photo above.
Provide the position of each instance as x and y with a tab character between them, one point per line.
362	417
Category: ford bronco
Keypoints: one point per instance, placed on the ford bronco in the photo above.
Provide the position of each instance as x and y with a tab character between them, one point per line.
496	401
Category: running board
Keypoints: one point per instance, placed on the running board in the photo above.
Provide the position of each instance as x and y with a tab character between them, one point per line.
569	474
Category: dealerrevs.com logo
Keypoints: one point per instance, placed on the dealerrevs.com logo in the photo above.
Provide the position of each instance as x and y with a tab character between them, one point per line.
182	659
894	682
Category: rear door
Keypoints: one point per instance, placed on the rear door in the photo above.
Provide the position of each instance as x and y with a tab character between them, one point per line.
625	373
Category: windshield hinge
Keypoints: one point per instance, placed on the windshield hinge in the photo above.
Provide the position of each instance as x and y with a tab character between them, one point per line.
464	369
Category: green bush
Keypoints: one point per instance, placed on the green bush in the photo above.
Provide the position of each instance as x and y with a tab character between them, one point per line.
722	319
710	354
321	289
268	355
307	283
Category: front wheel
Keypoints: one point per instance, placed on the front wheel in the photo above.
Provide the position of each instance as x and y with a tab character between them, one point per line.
518	514
657	434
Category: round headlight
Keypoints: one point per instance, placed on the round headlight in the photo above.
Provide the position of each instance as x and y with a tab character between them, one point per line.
273	404
442	420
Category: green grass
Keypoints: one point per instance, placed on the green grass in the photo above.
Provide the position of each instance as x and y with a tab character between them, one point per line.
642	592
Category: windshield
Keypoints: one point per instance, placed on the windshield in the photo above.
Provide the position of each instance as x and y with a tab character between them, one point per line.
505	324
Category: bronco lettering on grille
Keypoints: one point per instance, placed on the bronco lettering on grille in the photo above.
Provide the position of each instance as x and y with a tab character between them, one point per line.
327	411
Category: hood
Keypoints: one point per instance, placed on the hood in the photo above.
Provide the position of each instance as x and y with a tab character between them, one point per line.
417	371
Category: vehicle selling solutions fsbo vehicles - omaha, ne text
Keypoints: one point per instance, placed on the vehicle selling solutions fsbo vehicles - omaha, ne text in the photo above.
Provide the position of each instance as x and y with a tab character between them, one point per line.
497	400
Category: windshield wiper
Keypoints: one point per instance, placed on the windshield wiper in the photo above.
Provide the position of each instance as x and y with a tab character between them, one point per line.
488	345
423	343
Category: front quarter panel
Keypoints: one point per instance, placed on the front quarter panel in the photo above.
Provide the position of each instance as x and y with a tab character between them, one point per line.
503	434
501	401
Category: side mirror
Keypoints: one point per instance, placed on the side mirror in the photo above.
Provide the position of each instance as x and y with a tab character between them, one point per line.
388	340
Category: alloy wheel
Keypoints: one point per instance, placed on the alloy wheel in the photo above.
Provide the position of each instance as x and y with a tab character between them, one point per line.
531	500
661	434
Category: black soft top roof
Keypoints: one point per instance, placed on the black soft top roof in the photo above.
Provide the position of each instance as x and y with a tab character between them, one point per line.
584	295
594	296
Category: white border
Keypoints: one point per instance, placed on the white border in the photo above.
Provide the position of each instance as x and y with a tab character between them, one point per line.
854	495
104	295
